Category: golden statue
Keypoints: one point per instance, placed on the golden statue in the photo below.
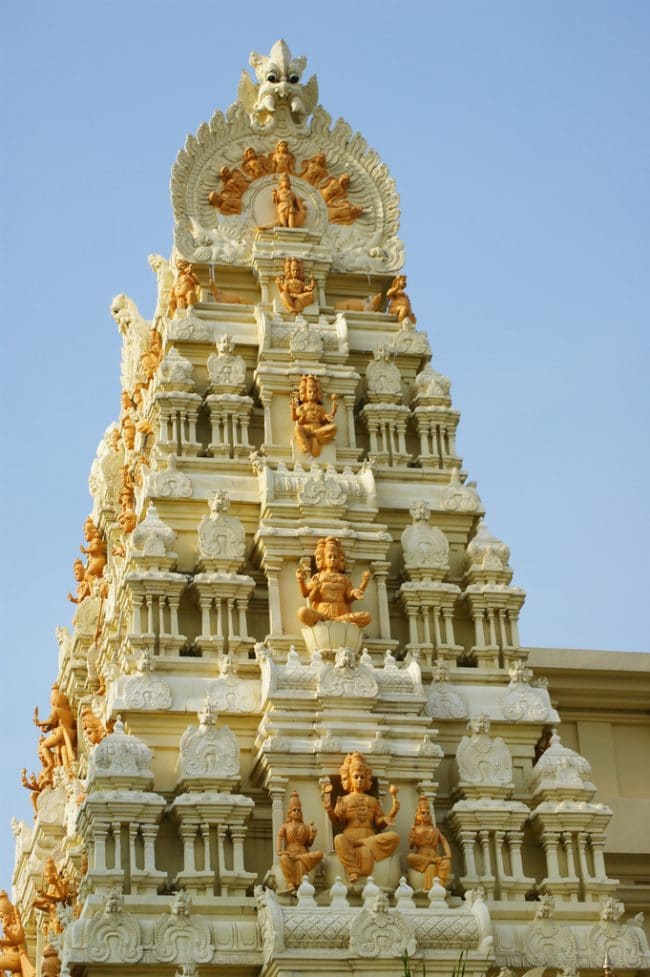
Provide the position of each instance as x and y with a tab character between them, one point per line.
281	160
314	427
295	294
50	963
83	587
254	165
95	551
38	782
55	890
290	210
151	355
94	727
183	292
127	420
329	591
314	170
13	950
335	195
295	838
399	304
426	839
58	748
228	199
360	817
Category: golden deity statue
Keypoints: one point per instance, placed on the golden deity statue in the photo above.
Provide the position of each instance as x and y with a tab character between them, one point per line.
314	170
38	782
184	291
151	355
335	195
399	304
281	160
95	551
295	293
83	587
13	950
361	841
295	838
93	726
426	840
58	748
255	165
127	420
313	426
329	591
228	199
55	890
290	210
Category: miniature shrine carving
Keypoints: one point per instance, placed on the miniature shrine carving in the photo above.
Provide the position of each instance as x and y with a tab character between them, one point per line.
362	840
295	293
313	425
329	591
426	840
294	841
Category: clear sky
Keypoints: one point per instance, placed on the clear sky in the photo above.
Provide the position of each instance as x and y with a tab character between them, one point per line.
519	137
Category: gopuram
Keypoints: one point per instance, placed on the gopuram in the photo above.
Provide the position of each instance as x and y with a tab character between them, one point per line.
292	728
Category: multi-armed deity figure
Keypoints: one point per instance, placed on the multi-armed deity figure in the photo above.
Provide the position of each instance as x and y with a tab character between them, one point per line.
44	778
329	591
56	890
13	951
58	748
295	293
295	838
426	839
361	841
313	426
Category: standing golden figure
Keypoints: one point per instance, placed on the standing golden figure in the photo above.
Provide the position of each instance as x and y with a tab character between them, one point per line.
329	591
184	291
426	839
295	838
290	210
13	950
314	427
58	748
361	841
399	304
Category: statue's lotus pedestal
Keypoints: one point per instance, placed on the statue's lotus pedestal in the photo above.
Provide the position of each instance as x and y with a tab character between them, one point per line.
327	637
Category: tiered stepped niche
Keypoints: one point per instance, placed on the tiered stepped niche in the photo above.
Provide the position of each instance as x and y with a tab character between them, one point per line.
293	728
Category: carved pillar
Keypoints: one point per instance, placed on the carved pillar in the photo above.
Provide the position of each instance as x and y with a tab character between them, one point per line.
484	838
100	834
268	424
467	839
205	834
499	869
272	568
582	857
380	570
116	828
149	832
133	833
515	840
349	412
567	844
237	833
188	834
173	601
550	842
598	848
277	788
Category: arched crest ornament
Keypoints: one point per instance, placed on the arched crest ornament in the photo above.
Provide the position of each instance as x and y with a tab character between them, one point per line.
113	936
381	932
549	943
261	117
180	936
208	751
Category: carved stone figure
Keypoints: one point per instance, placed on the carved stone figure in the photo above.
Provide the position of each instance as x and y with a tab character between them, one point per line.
313	426
278	74
426	840
399	304
290	210
314	170
58	748
55	890
295	838
13	951
184	292
94	728
38	782
96	553
228	199
83	587
281	160
329	591
151	355
361	841
335	195
255	165
295	293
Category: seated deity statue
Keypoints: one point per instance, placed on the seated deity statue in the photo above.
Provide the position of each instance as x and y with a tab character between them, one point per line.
184	291
13	949
426	839
295	838
313	426
295	293
399	304
228	199
361	841
255	165
329	591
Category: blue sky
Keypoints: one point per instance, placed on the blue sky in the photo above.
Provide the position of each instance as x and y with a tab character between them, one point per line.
518	135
